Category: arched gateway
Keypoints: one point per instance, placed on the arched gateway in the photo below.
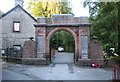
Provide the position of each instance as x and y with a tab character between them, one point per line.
77	26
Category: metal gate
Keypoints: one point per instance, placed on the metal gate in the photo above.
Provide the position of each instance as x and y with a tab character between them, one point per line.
12	54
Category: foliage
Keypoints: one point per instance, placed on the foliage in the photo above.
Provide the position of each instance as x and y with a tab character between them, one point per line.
1	13
116	60
39	8
104	22
63	39
118	51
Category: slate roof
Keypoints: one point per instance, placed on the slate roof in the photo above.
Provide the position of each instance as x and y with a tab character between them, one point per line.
18	6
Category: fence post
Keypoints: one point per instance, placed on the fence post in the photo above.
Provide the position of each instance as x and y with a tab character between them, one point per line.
7	52
115	72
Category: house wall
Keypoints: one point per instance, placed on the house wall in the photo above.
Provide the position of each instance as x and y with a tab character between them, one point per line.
27	29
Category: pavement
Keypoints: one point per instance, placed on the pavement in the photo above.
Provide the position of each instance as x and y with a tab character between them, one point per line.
58	70
63	57
10	75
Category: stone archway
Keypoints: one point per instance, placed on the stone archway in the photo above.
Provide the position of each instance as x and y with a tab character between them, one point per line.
77	26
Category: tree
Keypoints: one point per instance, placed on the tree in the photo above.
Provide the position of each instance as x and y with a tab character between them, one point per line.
56	40
104	20
68	41
63	39
1	13
118	4
39	8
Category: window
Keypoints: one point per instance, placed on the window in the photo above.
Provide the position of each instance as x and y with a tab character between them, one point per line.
17	51
17	47
84	46
16	26
3	52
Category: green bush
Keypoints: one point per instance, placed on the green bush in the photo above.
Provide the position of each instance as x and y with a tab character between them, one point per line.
116	58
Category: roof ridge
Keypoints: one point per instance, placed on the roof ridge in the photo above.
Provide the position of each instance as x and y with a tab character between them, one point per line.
18	6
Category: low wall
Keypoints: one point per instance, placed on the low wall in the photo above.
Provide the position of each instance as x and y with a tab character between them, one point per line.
34	61
88	62
103	63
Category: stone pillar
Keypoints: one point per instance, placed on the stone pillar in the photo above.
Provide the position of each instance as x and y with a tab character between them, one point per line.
41	46
77	55
40	36
83	47
83	43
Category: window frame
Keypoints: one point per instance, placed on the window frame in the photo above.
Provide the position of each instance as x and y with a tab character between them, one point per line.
14	26
17	46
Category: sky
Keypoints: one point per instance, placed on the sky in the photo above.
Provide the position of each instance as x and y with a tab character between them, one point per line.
77	7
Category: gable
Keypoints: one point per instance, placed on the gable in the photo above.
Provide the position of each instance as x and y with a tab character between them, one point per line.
18	7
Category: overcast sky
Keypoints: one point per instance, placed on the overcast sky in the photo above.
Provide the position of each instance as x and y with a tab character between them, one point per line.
77	8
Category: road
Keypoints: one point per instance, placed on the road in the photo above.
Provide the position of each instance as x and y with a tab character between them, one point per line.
63	58
59	70
10	75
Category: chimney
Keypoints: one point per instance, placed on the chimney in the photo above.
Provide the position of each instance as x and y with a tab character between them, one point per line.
20	2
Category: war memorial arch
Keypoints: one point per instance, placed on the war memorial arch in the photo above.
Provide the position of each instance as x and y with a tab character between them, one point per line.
86	50
78	27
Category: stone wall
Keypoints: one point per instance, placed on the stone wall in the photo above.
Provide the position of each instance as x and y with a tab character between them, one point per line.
29	49
63	19
29	52
96	51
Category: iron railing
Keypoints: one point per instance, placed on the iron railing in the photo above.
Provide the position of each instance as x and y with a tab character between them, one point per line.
12	54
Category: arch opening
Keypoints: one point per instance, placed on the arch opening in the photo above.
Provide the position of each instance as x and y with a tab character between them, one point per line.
64	39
